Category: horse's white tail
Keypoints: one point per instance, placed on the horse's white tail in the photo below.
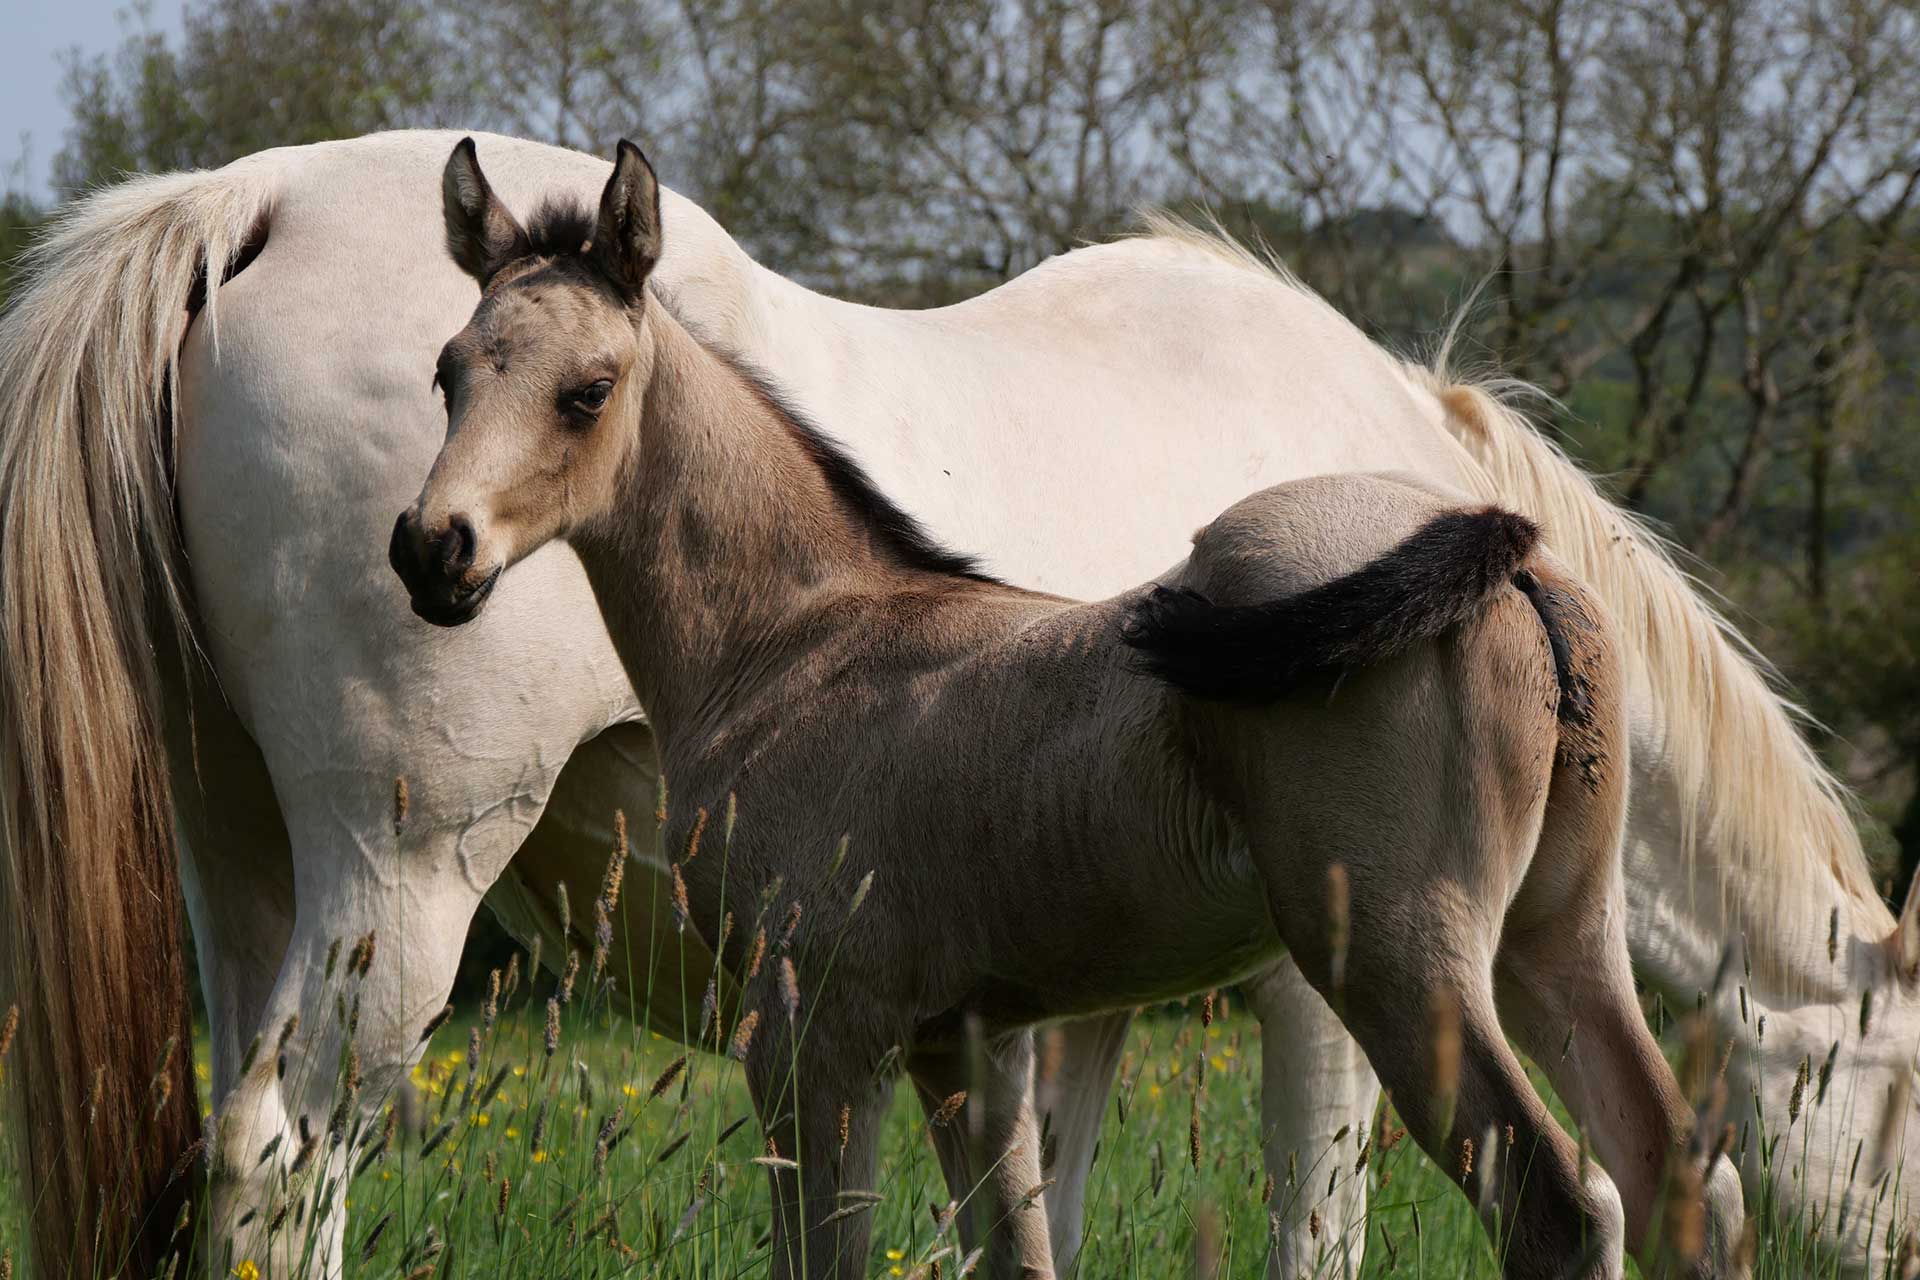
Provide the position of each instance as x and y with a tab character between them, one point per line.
91	594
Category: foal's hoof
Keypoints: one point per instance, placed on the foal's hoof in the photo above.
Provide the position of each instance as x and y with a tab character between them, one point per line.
1604	1257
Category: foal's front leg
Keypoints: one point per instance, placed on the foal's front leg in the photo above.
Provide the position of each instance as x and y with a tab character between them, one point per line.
821	1104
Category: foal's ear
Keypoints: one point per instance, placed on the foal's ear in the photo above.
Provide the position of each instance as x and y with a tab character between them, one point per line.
626	235
482	236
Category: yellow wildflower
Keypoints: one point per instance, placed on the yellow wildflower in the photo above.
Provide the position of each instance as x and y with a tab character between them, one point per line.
246	1270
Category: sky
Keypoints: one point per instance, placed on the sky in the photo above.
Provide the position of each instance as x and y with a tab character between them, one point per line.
36	33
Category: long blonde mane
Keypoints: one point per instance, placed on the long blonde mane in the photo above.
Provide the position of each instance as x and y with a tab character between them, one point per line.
1751	788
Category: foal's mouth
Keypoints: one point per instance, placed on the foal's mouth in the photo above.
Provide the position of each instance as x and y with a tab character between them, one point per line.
461	607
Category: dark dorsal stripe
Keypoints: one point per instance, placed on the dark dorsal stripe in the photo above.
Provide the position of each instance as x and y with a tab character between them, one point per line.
905	538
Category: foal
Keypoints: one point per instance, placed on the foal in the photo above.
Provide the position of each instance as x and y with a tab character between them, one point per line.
1071	807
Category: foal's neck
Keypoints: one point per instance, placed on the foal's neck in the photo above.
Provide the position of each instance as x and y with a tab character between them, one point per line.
727	552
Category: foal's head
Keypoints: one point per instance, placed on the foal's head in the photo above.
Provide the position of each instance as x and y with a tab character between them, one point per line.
542	387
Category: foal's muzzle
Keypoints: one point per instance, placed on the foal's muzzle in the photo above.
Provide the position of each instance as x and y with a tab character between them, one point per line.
438	571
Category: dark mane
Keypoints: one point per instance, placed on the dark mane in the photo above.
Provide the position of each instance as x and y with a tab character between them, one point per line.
560	228
890	526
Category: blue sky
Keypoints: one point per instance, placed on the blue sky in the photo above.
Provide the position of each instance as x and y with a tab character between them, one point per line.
36	32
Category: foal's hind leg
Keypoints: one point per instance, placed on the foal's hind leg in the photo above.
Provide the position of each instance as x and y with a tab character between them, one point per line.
1432	840
1421	1004
1564	978
1568	995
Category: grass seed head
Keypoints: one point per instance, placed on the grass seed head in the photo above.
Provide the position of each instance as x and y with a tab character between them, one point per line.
372	1242
743	1039
789	987
434	1024
944	1113
666	1078
693	836
1193	1131
682	912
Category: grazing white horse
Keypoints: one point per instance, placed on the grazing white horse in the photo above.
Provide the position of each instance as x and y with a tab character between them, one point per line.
1066	429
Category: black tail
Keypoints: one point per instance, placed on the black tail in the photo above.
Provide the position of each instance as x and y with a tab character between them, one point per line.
1254	653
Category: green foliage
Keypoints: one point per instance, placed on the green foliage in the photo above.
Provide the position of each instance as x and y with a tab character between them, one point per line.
246	75
19	219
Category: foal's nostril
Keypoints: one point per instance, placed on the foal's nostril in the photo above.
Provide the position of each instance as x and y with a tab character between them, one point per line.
400	548
457	545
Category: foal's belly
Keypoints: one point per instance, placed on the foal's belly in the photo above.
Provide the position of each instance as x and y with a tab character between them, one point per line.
1162	928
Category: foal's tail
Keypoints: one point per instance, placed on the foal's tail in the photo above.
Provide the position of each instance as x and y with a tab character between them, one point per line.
92	604
1436	579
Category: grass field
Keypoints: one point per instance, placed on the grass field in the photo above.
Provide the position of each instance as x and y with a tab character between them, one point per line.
619	1155
519	1186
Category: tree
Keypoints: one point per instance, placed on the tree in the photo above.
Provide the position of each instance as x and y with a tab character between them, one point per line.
251	74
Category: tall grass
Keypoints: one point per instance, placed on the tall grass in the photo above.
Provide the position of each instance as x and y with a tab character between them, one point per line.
542	1135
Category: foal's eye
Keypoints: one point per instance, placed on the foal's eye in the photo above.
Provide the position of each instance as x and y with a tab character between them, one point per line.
591	398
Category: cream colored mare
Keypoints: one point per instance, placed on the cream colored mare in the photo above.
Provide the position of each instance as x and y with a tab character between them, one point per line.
1064	427
1072	807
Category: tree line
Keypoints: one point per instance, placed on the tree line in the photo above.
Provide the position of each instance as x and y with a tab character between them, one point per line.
1691	224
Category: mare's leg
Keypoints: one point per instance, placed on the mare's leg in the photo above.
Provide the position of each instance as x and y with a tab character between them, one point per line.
236	871
289	481
1314	1082
1073	1080
990	1150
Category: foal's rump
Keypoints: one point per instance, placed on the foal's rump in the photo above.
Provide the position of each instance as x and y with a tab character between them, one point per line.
1415	715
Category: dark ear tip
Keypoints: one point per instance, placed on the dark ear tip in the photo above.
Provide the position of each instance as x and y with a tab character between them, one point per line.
629	151
466	148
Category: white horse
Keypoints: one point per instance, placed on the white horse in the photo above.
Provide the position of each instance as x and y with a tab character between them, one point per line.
1066	429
